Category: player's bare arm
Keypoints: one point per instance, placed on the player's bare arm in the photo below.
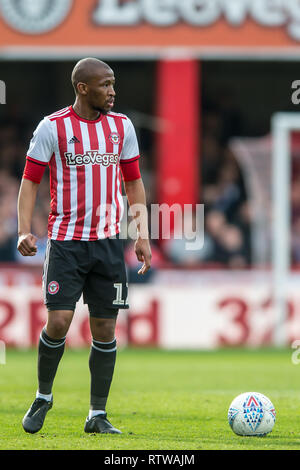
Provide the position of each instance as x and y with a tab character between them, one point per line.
135	193
26	202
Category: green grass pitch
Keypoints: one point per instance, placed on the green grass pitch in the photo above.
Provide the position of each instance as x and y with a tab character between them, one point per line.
161	400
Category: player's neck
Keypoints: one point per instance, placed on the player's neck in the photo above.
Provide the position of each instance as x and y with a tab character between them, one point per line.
85	112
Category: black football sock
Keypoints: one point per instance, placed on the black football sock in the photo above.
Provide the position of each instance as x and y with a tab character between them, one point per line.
50	352
102	363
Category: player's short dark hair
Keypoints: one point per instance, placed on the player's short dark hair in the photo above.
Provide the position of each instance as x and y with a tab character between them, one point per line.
83	70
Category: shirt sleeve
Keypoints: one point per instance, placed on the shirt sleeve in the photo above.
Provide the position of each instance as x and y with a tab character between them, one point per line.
130	150
130	170
41	146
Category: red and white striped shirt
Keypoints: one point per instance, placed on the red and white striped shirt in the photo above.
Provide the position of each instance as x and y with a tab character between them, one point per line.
84	159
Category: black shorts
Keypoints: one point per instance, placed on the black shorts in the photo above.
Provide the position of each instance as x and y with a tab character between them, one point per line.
95	269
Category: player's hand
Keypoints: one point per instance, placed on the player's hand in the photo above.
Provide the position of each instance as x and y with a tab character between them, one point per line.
143	253
27	244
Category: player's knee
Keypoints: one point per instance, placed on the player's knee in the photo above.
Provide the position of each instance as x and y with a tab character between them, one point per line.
103	329
57	326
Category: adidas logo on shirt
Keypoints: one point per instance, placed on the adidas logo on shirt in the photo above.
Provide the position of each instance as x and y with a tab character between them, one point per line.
74	140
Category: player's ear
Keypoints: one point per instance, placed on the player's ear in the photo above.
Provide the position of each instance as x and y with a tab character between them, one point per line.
82	88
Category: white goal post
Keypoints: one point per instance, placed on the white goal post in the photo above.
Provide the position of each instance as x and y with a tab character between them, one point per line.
281	126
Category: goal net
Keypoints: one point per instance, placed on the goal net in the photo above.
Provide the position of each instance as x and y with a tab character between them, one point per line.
270	165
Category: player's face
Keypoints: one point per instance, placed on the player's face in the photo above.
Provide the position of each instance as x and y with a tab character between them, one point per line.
101	92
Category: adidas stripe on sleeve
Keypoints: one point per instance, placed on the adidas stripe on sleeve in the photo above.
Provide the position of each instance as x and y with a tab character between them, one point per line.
40	151
130	150
42	144
130	154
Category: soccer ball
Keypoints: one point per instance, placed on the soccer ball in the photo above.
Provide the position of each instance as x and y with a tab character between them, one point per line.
251	414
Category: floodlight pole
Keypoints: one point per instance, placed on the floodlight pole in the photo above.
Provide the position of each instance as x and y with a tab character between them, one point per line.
282	124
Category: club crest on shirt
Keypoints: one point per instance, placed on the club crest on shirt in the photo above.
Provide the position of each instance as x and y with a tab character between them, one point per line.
53	287
114	138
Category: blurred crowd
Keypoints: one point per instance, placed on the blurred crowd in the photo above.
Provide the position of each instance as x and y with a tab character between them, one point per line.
295	203
226	216
14	137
